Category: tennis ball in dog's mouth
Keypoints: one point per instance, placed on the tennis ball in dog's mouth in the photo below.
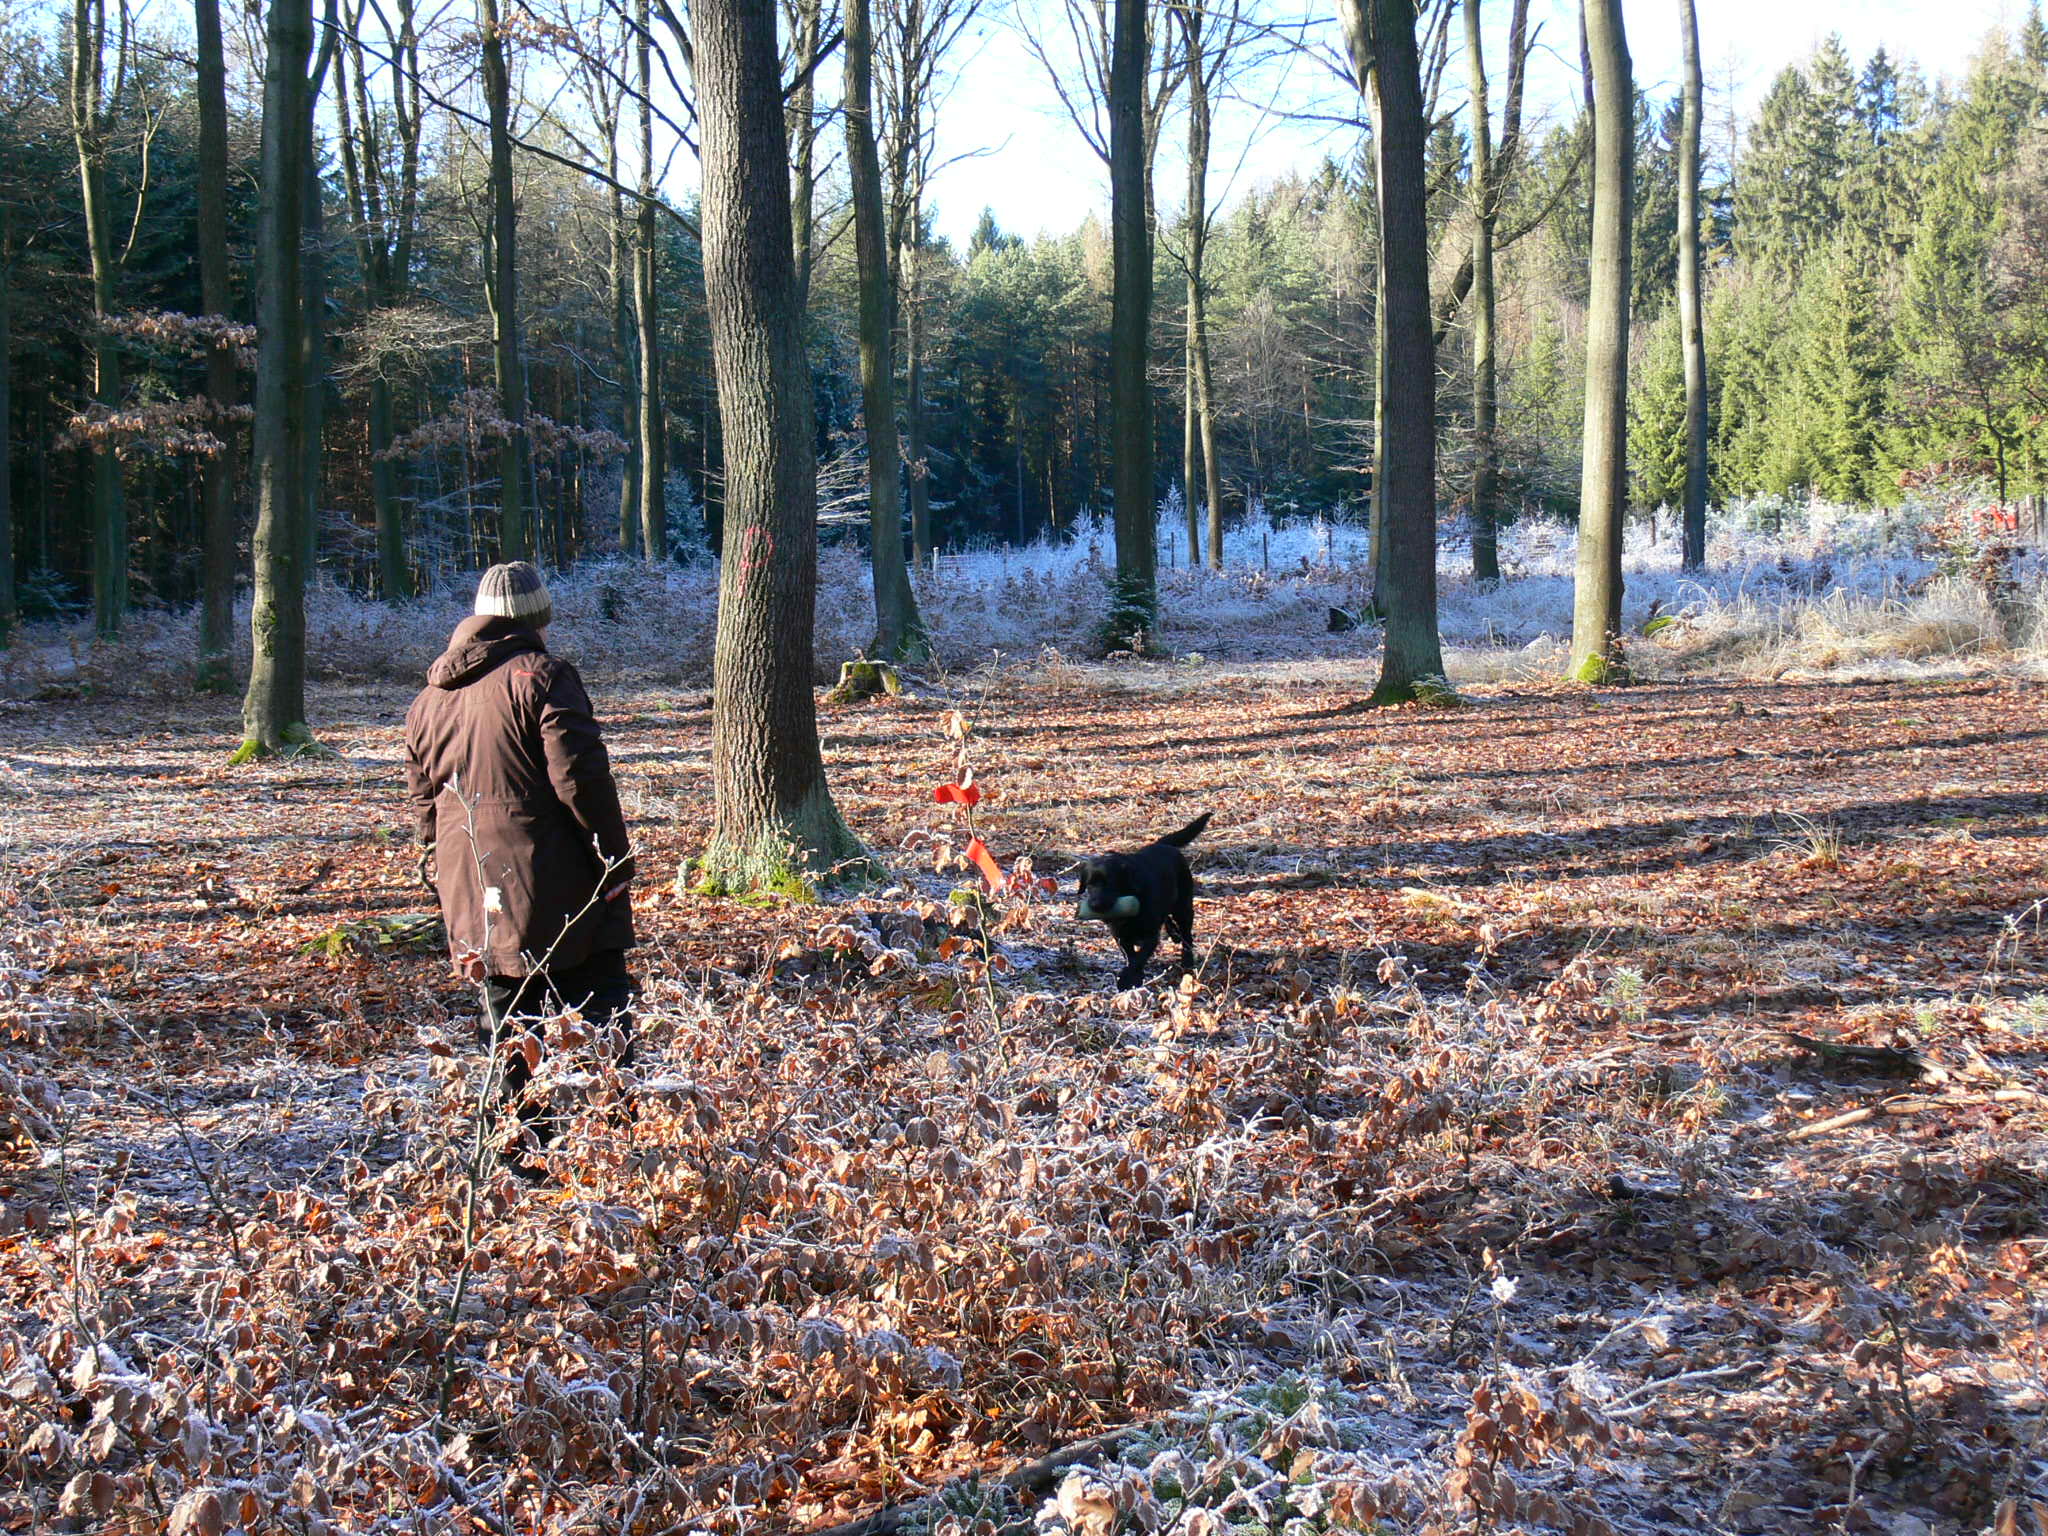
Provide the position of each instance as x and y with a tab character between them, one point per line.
1123	906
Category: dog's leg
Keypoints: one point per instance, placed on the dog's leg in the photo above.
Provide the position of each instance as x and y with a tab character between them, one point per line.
1139	956
1184	921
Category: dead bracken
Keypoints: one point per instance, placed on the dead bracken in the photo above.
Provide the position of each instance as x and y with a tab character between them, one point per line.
1546	1139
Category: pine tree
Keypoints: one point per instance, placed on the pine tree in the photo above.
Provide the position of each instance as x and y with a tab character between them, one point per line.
1956	382
1877	200
1786	198
1656	419
1844	370
1654	265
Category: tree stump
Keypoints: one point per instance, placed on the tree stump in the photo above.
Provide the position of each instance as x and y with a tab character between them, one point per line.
863	679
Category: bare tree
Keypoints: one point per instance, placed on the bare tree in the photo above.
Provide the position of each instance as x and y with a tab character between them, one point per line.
1207	54
775	814
652	422
1083	82
1381	37
1129	70
380	162
1596	602
1487	173
599	60
96	109
913	39
1690	326
217	474
274	708
899	630
7	607
807	22
1134	604
515	536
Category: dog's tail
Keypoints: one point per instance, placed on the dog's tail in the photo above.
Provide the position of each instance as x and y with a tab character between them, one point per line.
1188	833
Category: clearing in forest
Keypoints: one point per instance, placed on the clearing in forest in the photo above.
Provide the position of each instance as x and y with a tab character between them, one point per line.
1593	1110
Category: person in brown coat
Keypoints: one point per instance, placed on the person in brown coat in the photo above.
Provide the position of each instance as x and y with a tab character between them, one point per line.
520	823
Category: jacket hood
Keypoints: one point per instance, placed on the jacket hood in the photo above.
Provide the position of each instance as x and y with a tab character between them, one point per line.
478	646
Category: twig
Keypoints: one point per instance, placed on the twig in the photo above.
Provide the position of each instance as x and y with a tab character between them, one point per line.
1838	1122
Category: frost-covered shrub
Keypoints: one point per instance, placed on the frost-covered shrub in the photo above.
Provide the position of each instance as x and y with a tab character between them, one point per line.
1789	586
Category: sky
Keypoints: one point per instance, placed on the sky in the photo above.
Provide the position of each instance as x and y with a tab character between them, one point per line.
1006	143
1022	158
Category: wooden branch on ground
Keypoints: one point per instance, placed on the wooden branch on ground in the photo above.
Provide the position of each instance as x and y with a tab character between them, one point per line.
1032	1477
1895	1060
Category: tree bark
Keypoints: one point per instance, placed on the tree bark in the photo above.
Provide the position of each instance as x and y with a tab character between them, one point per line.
1134	604
217	476
92	112
653	421
8	612
274	708
1690	323
775	819
899	631
1485	384
515	537
1381	37
1596	602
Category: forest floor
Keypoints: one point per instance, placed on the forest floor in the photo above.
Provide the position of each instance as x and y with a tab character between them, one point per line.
1474	1182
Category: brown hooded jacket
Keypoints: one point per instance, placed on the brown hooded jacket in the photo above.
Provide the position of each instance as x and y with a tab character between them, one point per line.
513	788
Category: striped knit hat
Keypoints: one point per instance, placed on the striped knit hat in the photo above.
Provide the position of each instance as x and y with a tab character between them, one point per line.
515	591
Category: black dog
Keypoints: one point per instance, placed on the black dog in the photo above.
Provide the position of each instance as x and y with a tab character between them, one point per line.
1138	893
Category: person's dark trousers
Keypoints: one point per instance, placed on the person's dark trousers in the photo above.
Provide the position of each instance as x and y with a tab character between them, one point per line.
600	989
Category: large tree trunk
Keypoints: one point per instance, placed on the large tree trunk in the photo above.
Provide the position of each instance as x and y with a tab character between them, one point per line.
91	117
1381	35
653	431
274	708
515	537
1485	384
217	477
1690	325
1596	602
775	815
899	631
7	606
1134	604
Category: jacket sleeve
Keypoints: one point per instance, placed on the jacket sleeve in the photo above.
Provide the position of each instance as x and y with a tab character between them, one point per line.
578	765
419	788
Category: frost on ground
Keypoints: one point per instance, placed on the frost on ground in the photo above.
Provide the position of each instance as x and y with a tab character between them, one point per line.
1807	591
1594	1110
